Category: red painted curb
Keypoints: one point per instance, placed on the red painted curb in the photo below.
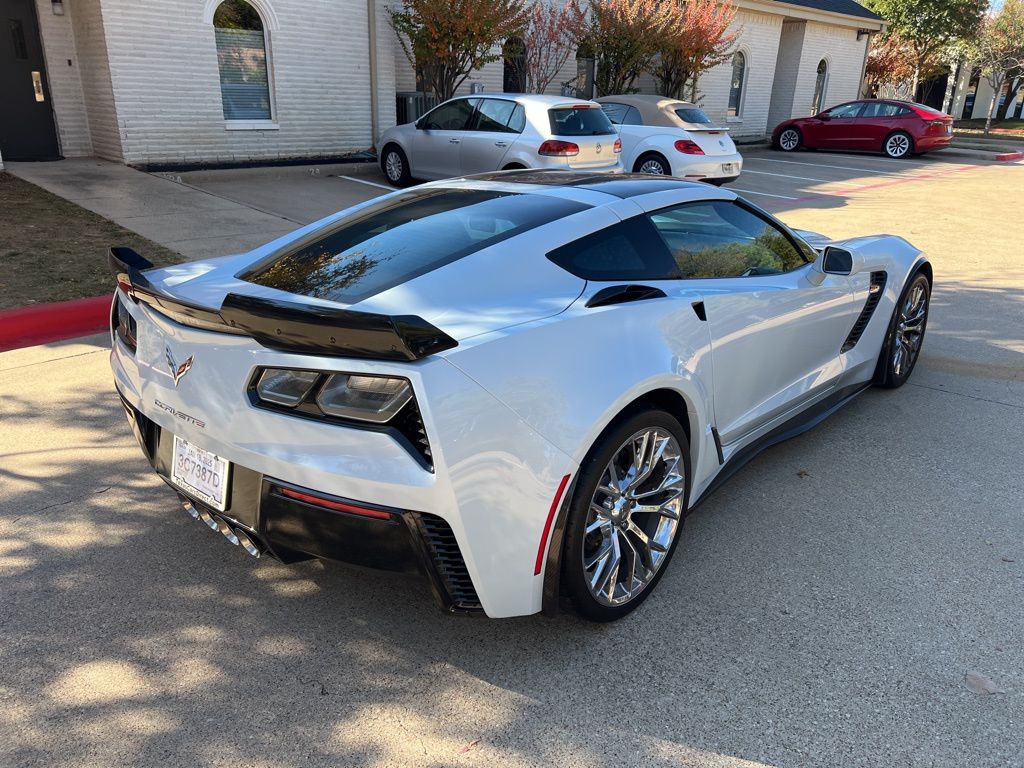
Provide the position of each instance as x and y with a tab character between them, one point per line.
1006	156
44	323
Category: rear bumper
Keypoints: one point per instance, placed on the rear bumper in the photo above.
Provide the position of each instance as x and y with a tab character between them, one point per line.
709	167
931	143
292	530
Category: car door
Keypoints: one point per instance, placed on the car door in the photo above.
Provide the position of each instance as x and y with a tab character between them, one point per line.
876	121
839	129
493	129
776	323
436	150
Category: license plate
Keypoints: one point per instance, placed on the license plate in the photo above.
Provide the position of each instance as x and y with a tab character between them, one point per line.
949	130
729	168
200	473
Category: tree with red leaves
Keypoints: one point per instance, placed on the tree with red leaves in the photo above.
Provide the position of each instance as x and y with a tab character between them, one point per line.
446	40
891	63
696	39
549	40
623	36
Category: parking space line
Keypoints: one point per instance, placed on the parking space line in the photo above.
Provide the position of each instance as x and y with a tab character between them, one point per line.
764	194
368	183
823	165
787	176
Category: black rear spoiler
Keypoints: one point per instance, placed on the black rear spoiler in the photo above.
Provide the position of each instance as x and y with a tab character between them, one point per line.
288	326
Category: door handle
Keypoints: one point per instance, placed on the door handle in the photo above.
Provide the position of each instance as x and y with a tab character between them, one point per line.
501	143
453	141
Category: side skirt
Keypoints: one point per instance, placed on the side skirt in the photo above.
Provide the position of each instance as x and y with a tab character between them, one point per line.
800	423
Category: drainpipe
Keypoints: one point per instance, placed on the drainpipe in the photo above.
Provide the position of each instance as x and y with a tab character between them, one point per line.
371	22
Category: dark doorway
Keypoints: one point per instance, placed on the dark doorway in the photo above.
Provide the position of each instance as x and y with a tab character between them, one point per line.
514	54
26	116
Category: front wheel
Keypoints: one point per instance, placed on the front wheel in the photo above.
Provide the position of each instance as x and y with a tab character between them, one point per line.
906	334
395	165
625	515
790	140
898	145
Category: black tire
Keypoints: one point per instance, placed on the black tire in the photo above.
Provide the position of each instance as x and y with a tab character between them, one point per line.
785	142
898	144
395	166
574	578
652	160
887	373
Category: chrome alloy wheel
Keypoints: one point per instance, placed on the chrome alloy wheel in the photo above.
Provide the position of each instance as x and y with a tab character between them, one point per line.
654	167
789	139
393	166
897	145
909	329
633	517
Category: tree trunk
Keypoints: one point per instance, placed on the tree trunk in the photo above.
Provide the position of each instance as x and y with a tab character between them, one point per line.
992	105
1011	94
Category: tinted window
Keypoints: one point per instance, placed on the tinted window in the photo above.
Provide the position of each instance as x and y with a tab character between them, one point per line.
404	237
627	251
453	116
846	110
723	239
495	115
693	115
615	112
882	109
580	121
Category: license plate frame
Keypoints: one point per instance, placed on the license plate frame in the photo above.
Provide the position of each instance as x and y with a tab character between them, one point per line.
200	473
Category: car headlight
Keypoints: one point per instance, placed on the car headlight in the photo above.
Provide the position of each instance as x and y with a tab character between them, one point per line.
366	398
282	386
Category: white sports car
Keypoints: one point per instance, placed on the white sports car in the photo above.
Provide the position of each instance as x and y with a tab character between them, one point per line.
516	384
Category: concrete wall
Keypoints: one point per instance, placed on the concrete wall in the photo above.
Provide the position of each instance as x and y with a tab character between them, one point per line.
62	73
95	75
787	70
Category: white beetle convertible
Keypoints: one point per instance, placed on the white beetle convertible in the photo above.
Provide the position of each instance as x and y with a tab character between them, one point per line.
517	385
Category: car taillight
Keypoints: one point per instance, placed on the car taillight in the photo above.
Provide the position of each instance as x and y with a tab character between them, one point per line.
617	146
688	147
556	148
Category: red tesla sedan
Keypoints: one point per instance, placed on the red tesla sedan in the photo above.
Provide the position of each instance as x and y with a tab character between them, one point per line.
896	128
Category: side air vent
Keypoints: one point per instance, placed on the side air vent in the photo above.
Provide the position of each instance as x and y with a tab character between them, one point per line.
410	423
874	296
621	294
451	568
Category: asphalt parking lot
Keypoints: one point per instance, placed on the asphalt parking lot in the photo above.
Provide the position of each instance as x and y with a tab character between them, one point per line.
823	607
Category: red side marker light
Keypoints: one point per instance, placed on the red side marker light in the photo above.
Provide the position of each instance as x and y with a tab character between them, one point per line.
547	526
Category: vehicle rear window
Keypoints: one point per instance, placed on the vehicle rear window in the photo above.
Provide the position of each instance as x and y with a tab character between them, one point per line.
580	121
629	250
692	115
401	238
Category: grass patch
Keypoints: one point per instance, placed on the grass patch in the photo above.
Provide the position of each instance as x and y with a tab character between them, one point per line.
54	250
1007	129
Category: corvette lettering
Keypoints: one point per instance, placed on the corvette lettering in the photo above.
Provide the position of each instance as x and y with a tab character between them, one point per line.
180	414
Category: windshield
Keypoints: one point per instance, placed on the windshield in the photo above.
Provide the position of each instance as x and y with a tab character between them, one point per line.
401	238
580	121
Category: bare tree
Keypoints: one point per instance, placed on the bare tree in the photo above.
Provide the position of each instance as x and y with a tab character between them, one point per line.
998	50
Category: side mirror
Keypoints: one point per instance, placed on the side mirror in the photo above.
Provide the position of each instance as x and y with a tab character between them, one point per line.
825	116
838	261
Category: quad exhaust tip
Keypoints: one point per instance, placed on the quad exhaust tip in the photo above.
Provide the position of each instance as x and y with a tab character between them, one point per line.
235	535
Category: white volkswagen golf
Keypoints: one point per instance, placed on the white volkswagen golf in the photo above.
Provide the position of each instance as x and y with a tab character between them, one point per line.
500	131
517	384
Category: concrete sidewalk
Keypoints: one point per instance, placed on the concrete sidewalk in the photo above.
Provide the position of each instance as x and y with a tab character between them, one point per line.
206	213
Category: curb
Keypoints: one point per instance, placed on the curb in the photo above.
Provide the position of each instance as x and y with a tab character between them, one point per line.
1005	157
45	323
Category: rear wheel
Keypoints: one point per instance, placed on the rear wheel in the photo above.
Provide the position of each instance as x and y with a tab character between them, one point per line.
906	334
790	140
626	514
395	165
652	163
898	145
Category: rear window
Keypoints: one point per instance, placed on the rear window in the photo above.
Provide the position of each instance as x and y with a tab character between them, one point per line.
580	121
693	115
402	238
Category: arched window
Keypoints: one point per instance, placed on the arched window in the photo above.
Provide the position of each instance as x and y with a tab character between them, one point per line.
242	60
739	73
820	84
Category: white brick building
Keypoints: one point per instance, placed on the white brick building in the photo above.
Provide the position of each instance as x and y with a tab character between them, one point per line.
141	81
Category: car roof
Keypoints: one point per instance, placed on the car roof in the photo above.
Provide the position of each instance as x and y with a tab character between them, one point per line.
614	186
526	98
